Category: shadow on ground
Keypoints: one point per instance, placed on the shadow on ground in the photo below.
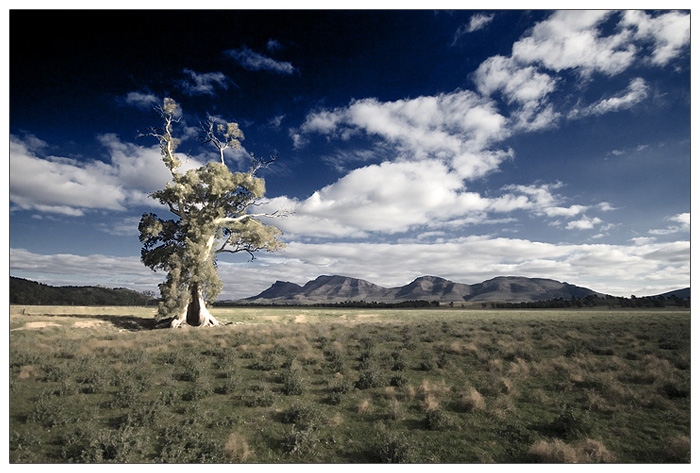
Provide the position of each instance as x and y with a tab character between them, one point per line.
124	322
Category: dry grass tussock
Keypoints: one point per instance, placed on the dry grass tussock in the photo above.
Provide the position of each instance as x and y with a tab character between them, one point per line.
408	393
678	450
428	388
461	348
396	410
364	407
430	403
236	448
502	406
558	451
518	369
336	420
471	401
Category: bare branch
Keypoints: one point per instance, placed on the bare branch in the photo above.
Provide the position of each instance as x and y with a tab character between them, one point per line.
259	163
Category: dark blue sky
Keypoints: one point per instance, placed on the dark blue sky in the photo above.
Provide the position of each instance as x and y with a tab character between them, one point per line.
464	144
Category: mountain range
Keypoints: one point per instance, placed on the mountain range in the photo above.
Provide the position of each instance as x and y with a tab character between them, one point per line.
333	289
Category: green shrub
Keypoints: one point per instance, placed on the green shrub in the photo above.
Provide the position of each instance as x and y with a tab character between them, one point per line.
259	396
399	380
341	386
267	363
112	446
675	390
399	361
302	414
300	442
186	444
125	396
334	399
436	419
50	411
394	448
195	393
571	424
188	372
335	360
226	387
292	382
368	379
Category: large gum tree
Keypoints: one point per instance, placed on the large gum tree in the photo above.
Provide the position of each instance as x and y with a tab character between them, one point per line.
211	206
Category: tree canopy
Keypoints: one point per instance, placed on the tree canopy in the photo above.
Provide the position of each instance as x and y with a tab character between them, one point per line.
211	206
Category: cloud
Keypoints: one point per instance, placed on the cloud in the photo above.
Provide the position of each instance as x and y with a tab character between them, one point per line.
70	187
573	39
456	128
60	185
64	269
120	227
253	61
584	223
273	45
669	33
203	83
395	197
683	219
581	42
517	83
641	268
540	200
636	91
142	100
341	159
276	121
477	22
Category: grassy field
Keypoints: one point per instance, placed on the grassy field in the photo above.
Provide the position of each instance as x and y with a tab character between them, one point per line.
348	385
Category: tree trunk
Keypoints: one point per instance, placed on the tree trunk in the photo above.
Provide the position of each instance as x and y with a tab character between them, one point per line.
195	313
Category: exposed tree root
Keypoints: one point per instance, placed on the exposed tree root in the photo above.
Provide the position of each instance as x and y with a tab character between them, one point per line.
195	313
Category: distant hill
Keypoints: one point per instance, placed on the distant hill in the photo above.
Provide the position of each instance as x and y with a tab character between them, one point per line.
24	291
335	289
679	293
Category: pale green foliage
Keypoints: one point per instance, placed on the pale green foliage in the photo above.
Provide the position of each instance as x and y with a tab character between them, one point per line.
210	204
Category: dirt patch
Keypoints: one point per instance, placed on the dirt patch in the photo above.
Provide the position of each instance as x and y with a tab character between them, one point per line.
27	371
36	325
300	319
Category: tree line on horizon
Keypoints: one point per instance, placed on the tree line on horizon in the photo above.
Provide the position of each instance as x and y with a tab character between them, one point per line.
26	292
592	301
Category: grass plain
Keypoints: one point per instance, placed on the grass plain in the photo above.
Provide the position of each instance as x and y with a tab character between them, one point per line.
289	385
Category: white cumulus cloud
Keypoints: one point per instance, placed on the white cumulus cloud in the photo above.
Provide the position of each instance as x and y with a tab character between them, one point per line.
70	187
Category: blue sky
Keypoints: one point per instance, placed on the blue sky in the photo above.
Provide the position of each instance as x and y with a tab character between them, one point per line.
465	144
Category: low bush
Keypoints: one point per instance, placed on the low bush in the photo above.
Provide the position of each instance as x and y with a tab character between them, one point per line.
258	396
436	419
195	393
368	379
398	380
571	424
292	382
302	414
301	442
394	448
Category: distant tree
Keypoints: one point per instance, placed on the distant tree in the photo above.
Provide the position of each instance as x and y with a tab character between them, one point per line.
210	205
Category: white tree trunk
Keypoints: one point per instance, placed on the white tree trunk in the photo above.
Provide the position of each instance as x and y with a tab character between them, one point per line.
195	312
